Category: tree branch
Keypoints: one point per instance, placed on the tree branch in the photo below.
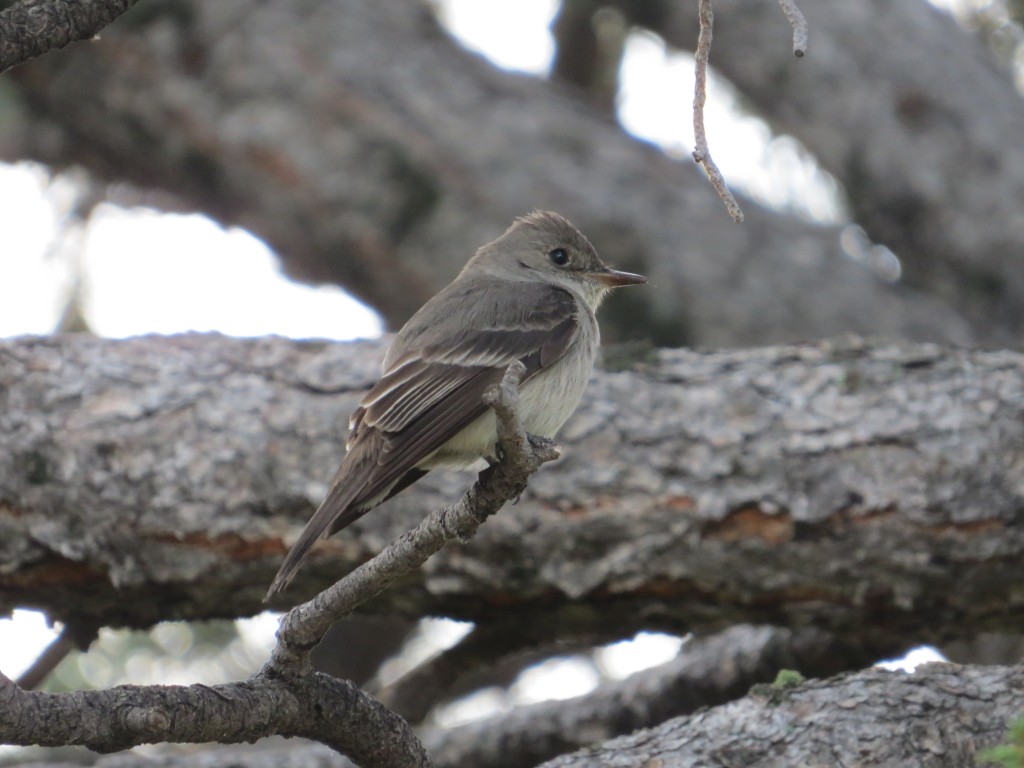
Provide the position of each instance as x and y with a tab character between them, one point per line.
333	712
701	151
420	195
923	174
491	654
30	28
940	716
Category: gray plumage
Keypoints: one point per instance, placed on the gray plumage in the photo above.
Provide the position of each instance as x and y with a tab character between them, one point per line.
514	300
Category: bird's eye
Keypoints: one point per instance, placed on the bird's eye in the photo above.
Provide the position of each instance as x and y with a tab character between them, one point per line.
559	257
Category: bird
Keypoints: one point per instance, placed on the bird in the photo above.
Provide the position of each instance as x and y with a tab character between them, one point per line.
530	295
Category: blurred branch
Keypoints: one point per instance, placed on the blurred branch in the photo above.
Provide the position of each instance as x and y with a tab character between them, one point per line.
707	672
937	182
30	28
589	43
71	638
422	144
356	647
940	717
491	654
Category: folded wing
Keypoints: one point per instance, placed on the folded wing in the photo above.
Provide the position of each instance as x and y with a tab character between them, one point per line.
432	388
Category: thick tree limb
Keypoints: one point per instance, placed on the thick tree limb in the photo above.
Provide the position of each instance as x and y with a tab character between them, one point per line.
939	717
870	489
30	28
384	176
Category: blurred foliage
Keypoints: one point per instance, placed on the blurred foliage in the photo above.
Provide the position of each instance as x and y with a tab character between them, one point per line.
1010	754
1001	24
170	653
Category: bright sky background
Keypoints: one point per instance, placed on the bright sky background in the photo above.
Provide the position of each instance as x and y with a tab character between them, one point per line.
151	272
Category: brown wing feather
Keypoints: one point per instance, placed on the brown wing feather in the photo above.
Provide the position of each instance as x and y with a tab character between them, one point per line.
431	390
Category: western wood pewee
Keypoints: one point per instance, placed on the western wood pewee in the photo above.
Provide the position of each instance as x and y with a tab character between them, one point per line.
530	295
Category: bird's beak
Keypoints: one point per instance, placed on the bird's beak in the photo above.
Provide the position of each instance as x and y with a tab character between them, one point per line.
612	278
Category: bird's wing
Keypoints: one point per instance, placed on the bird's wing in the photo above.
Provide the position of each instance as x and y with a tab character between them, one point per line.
433	387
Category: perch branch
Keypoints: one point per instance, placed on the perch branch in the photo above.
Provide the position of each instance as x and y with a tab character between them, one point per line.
333	712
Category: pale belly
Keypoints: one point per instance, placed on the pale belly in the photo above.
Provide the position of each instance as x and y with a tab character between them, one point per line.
545	404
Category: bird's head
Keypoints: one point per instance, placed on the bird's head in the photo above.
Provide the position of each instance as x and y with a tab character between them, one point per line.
544	246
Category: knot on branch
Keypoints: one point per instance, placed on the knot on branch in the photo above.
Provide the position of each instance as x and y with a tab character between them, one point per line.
146	720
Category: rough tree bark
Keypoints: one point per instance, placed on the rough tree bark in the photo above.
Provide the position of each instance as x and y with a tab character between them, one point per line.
380	171
939	717
870	489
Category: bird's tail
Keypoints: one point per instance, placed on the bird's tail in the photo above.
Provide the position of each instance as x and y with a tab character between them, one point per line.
338	510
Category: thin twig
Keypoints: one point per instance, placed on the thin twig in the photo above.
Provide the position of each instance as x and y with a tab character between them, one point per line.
521	455
799	24
69	639
701	152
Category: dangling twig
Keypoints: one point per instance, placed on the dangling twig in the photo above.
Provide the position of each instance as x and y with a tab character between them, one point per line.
799	24
701	152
